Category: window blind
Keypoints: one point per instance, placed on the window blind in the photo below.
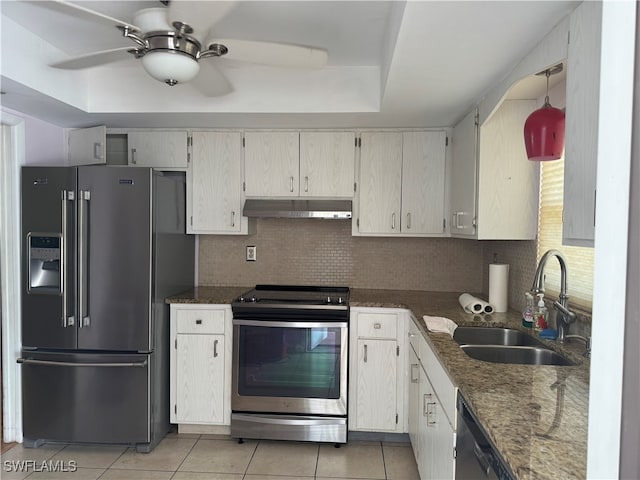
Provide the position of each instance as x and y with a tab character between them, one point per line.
579	259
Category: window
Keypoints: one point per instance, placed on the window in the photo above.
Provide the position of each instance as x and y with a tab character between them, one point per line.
579	259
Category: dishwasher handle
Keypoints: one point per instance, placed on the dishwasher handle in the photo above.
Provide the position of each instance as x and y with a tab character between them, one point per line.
482	459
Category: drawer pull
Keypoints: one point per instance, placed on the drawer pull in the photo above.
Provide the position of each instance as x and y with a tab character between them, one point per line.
377	326
199	322
415	378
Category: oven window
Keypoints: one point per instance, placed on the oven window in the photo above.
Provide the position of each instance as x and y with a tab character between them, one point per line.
289	362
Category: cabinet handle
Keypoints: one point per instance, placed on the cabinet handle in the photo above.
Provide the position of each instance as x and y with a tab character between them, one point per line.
425	411
377	326
215	348
365	353
431	412
198	322
393	221
133	156
408	221
306	183
414	368
291	183
97	150
233	219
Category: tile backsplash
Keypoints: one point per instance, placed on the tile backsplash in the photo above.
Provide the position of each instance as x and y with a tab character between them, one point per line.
323	252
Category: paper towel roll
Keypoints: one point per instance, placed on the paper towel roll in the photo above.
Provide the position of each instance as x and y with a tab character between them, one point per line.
499	286
472	304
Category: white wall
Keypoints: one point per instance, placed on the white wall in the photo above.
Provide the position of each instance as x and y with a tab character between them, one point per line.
45	143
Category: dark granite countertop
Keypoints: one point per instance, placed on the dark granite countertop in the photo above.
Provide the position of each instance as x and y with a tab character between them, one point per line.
535	415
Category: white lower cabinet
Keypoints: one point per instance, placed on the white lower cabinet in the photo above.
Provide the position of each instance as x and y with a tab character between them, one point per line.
200	372
432	410
377	369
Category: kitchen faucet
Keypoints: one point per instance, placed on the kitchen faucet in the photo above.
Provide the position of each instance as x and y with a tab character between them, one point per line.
564	316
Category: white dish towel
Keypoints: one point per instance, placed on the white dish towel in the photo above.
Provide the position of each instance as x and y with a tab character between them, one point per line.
440	325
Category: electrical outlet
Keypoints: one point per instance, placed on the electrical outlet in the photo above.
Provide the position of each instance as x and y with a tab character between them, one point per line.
251	254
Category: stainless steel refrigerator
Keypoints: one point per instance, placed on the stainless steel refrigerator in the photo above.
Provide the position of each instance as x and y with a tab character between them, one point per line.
103	248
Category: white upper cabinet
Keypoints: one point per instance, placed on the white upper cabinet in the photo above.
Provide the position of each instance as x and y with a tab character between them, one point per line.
159	149
214	180
327	164
88	146
299	164
380	184
401	183
271	164
581	136
463	176
494	193
423	174
508	182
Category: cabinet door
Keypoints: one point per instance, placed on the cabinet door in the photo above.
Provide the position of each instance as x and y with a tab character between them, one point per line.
327	164
376	379
200	378
215	183
463	177
271	162
415	412
508	186
87	146
158	149
380	185
442	442
424	431
581	145
423	173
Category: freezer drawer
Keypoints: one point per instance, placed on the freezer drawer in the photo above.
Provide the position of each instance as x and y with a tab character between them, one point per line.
95	398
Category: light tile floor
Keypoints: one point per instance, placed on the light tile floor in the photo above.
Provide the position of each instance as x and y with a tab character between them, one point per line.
209	457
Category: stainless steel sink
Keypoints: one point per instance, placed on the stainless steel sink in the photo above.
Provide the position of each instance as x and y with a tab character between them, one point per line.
524	355
493	336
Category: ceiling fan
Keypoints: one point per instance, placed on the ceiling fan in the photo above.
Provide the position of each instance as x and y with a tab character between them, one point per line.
171	40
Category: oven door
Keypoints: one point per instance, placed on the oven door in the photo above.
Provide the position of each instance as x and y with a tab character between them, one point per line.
293	367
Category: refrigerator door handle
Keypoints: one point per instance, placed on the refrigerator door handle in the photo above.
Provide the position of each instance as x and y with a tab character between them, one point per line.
83	240
67	320
50	363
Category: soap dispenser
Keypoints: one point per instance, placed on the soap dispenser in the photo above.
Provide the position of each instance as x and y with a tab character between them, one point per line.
528	313
541	314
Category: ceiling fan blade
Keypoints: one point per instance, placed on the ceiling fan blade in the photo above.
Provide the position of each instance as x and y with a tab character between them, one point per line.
94	59
83	13
273	54
210	81
199	15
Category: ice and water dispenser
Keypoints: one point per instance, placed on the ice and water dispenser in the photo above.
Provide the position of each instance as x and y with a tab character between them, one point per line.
44	263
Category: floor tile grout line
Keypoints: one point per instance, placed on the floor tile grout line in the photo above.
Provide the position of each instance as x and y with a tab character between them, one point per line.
185	457
384	463
251	459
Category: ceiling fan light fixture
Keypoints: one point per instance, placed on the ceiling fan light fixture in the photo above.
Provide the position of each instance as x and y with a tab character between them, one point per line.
170	67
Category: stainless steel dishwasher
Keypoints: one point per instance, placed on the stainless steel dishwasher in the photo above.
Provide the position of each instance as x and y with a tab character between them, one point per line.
476	457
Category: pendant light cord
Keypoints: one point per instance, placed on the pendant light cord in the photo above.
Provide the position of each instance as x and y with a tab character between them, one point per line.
546	98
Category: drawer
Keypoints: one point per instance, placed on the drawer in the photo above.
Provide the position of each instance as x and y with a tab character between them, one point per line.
199	321
378	325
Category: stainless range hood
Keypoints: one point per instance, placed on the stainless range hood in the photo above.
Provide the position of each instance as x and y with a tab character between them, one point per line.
328	209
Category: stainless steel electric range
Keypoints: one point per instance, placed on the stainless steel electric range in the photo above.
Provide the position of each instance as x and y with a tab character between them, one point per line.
290	348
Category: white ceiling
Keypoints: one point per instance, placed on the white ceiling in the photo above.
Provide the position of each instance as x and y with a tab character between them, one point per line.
391	63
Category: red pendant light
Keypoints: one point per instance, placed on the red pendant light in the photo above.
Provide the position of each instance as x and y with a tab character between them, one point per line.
544	128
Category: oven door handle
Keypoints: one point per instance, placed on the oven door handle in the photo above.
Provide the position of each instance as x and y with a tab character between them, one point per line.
285	324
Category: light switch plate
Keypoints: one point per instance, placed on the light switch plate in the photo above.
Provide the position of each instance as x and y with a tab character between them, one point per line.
251	253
